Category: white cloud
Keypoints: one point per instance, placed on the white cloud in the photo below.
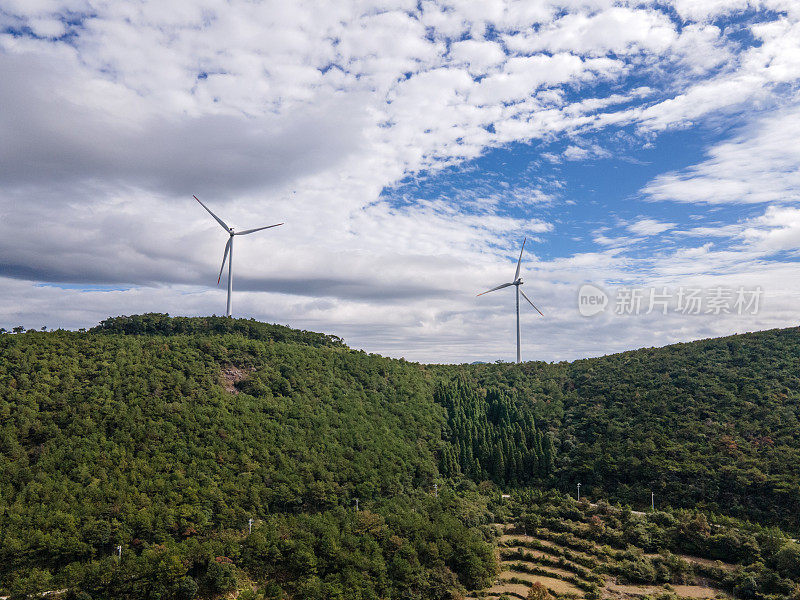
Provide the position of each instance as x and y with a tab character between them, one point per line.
777	230
751	77
649	227
760	164
304	112
591	151
707	9
617	30
477	56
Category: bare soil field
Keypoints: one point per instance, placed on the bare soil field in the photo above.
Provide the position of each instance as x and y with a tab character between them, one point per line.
553	570
684	591
529	551
504	587
521	590
506	539
509	543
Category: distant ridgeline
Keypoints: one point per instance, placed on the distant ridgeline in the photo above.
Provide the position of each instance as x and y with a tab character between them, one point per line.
163	324
165	435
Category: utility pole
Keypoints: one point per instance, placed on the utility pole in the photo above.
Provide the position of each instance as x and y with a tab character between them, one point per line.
356	504
653	501
249	526
579	492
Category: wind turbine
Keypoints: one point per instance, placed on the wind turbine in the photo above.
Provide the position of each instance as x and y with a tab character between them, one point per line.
229	250
516	283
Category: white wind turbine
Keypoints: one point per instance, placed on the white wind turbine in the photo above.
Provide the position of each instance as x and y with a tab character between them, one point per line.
229	250
516	283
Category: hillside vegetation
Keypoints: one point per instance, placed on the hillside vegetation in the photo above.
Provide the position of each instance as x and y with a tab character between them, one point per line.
166	435
712	424
550	545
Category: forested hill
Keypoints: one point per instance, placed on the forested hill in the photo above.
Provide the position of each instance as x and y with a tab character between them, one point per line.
712	424
163	324
166	439
166	435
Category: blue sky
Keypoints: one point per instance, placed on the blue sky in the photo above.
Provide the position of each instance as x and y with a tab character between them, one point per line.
409	147
585	195
582	197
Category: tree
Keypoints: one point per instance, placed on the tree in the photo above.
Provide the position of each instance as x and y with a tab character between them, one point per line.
788	561
220	577
538	592
186	588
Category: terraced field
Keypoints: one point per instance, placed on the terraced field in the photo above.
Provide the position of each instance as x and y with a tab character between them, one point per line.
569	563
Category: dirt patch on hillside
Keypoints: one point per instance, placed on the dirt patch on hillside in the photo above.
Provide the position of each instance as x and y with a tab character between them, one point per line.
525	551
231	375
698	591
510	572
515	589
556	586
508	542
684	591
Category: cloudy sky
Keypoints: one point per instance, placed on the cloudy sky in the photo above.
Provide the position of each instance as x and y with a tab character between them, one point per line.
649	148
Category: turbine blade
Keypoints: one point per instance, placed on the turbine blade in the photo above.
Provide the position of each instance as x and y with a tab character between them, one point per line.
499	287
519	262
529	302
246	231
220	221
224	258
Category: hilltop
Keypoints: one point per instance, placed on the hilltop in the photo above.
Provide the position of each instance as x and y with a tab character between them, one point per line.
166	435
163	324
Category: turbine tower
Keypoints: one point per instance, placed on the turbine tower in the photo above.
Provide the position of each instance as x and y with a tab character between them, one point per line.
229	250
516	283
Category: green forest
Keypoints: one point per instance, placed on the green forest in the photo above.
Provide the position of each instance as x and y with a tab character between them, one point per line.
175	457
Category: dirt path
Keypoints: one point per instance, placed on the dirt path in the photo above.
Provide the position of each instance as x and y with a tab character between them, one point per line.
684	591
498	589
555	585
518	536
553	570
533	553
505	539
